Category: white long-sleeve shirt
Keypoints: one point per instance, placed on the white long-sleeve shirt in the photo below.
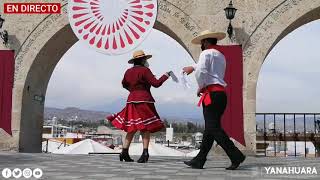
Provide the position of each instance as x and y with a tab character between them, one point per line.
210	68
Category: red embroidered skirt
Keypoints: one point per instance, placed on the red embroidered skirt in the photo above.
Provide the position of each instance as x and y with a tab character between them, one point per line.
137	117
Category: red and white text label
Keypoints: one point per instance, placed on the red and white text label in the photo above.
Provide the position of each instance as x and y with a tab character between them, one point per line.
32	8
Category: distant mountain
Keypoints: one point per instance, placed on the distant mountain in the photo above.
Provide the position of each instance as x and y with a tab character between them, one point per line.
172	112
177	110
289	124
111	106
183	120
72	113
187	111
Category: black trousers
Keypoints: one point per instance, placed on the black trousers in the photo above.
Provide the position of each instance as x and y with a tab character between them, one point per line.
213	130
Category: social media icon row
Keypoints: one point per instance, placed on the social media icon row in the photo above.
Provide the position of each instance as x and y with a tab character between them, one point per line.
26	173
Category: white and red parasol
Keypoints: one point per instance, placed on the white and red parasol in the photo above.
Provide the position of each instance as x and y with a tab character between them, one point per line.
112	27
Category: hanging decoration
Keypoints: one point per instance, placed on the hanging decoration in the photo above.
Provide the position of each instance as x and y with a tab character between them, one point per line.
112	27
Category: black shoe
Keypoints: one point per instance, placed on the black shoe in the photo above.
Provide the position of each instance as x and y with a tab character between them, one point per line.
143	158
188	163
235	165
195	164
125	156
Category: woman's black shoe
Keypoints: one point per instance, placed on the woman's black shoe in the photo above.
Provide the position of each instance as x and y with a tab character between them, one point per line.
195	164
144	158
125	156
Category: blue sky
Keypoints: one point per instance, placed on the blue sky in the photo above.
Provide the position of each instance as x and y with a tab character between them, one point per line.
288	80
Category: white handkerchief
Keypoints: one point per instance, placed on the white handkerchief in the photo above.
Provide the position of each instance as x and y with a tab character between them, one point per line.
184	80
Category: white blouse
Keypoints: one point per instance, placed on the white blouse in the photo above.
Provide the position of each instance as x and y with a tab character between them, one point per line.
210	68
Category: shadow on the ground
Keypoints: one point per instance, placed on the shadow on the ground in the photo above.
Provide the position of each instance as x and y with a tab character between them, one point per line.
165	160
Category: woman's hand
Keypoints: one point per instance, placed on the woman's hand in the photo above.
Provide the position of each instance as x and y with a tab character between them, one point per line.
170	72
188	70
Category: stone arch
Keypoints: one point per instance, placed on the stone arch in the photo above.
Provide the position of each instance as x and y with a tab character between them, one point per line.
286	17
260	24
36	85
38	56
305	19
163	28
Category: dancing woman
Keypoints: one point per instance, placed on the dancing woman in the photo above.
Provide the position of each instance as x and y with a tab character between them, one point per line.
139	113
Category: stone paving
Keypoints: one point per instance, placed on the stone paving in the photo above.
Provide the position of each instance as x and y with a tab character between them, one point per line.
102	167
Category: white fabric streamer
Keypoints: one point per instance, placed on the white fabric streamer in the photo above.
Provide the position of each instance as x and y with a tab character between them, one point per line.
184	80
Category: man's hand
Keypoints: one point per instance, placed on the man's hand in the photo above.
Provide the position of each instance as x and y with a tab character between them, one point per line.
188	70
199	92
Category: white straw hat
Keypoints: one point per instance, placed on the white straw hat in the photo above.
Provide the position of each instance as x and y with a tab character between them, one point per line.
208	34
139	54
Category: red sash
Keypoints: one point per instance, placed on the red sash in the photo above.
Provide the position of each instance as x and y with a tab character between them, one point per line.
205	97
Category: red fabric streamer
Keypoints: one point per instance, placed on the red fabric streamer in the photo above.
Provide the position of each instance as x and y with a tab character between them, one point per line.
6	85
205	97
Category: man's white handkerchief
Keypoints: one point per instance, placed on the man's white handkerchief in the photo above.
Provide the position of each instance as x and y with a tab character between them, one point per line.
184	80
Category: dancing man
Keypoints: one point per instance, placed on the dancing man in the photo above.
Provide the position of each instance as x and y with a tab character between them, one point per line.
209	72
